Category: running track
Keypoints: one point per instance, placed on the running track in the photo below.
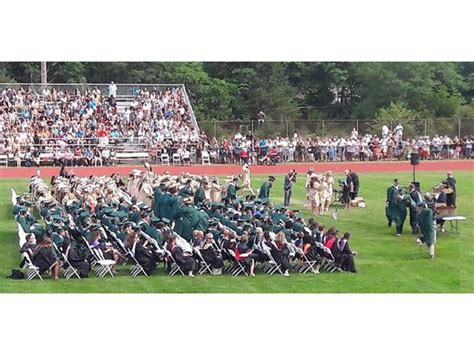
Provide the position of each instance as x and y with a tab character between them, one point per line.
215	170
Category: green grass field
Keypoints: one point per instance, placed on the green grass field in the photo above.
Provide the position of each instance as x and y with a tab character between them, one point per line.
386	264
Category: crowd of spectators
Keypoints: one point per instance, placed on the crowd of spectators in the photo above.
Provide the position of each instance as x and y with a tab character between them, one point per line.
65	123
87	129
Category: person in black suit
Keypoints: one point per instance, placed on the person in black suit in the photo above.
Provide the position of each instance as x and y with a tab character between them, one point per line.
355	184
451	184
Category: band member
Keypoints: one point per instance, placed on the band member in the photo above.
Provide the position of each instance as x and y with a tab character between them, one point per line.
330	183
415	199
309	174
246	184
451	185
216	190
425	222
314	188
290	179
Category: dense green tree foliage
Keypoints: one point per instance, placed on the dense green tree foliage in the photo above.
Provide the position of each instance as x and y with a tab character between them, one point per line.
292	90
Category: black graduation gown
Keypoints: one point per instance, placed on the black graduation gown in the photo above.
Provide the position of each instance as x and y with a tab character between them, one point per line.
211	256
343	255
43	258
76	258
282	256
451	198
185	262
146	258
243	248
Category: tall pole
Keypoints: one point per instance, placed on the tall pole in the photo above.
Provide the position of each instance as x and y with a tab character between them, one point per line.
44	74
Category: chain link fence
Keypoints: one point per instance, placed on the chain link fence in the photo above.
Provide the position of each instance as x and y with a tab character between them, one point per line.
451	127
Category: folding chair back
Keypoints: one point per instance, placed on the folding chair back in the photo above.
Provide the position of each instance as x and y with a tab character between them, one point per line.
31	271
14	196
204	266
165	159
176	159
137	268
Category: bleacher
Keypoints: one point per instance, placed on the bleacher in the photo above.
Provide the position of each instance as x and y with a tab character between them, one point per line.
124	153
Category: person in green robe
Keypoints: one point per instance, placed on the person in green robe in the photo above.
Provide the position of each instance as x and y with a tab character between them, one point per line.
264	193
399	212
187	190
390	204
426	228
200	194
187	219
231	194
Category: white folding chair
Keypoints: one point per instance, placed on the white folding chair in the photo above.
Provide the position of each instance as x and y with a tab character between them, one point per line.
31	271
176	159
204	266
239	268
14	196
174	267
165	159
100	265
137	268
205	158
272	265
21	235
306	264
69	270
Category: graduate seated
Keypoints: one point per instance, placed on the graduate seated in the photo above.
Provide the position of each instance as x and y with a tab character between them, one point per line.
144	253
183	259
107	249
244	254
76	256
212	255
311	251
282	253
45	258
343	255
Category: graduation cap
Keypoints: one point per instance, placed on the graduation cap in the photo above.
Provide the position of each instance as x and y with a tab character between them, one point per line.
279	207
27	203
165	220
94	227
57	218
271	178
108	210
154	219
85	214
245	217
22	209
122	214
136	227
298	216
258	201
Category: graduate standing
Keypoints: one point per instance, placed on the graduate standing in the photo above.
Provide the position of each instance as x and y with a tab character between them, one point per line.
392	193
264	193
425	222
